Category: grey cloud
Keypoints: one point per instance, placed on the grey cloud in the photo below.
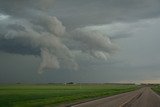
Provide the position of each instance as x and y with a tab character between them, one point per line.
93	12
94	43
42	34
77	34
22	37
37	34
17	8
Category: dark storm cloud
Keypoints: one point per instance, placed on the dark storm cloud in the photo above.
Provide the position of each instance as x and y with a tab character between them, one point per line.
80	35
90	12
17	45
28	29
18	7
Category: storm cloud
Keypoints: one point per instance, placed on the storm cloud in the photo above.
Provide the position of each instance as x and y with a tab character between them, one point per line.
100	40
32	31
93	12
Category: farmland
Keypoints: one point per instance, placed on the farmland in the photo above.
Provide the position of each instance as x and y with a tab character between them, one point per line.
40	95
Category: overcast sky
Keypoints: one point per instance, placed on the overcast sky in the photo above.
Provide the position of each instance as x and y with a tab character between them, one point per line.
44	41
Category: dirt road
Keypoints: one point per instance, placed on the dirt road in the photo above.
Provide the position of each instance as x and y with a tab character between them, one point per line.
144	97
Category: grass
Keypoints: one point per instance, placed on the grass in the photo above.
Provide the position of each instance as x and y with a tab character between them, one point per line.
156	88
54	94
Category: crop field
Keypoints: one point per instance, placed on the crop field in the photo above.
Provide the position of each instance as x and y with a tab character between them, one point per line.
23	95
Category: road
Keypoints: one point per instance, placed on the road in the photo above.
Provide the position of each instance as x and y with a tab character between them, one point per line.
143	97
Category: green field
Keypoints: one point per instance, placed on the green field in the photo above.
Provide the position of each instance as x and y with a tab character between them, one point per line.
55	94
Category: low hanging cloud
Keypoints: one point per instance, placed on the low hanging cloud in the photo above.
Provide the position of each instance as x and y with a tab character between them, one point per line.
20	36
43	35
94	43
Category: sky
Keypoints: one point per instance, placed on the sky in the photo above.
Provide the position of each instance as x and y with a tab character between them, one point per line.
100	41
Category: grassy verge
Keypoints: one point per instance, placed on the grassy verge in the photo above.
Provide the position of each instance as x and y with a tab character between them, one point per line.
156	88
42	95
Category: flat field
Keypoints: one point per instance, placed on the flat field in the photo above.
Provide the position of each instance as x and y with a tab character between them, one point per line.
42	95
